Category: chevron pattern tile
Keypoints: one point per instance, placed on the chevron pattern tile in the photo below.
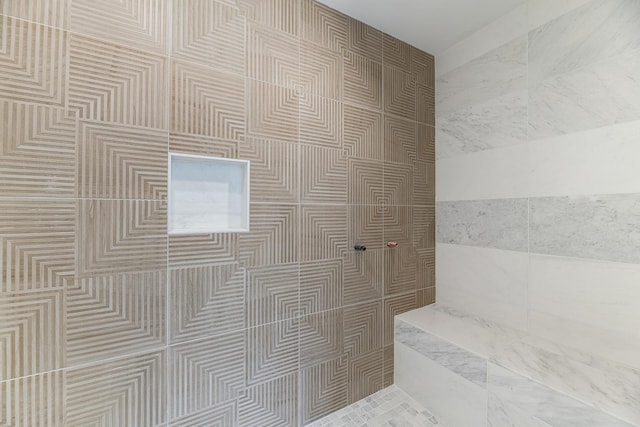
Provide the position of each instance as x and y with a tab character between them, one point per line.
325	175
274	350
274	403
201	250
320	286
36	400
366	183
117	162
122	392
320	121
36	244
366	226
273	238
399	140
272	56
365	375
274	170
112	83
400	270
141	24
397	53
272	293
426	143
206	372
362	80
324	26
424	177
362	133
323	389
33	62
424	227
362	326
321	337
120	236
52	13
205	301
206	102
209	33
365	40
280	15
392	306
423	67
202	145
223	415
323	231
425	104
272	112
398	224
426	273
115	315
398	184
320	71
31	327
37	150
399	93
363	276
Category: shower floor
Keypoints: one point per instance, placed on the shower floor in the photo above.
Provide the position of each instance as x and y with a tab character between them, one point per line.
388	407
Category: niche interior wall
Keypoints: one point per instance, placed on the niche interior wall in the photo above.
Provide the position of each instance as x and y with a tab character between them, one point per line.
105	319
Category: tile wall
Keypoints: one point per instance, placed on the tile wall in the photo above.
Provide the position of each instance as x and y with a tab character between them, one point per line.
106	320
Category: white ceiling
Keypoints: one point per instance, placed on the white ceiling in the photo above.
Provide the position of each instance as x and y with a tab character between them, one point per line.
431	25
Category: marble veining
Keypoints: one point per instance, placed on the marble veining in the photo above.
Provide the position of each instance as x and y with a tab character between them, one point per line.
502	413
456	359
500	223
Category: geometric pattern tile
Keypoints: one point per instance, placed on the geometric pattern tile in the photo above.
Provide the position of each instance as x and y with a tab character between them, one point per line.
205	301
208	33
323	230
365	375
321	337
272	112
400	270
365	182
115	315
202	145
324	179
37	150
398	184
425	104
426	275
399	140
320	121
320	71
399	93
33	62
323	389
274	403
388	365
365	226
397	53
423	67
31	328
362	135
141	24
274	170
362	81
362	326
273	350
320	286
424	227
280	15
424	183
223	415
323	25
272	56
365	40
426	143
48	12
122	392
117	162
206	372
120	236
426	297
272	293
112	83
363	276
36	244
393	306
206	102
202	249
273	238
398	225
32	401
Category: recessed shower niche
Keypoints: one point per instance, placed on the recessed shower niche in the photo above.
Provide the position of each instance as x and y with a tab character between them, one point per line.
207	194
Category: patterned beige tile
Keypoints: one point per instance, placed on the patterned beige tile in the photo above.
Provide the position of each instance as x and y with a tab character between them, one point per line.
281	15
398	225
425	104
320	121
274	350
398	184
209	33
202	249
363	276
48	12
37	151
274	403
424	178
121	162
400	138
205	301
141	24
397	53
362	80
320	286
362	326
272	293
323	232
323	175
31	333
324	26
120	392
323	389
36	244
426	297
320	71
272	112
321	337
362	133
423	67
207	102
400	93
120	236
388	362
33	62
366	224
222	415
365	40
202	145
206	372
365	182
426	143
393	306
426	276
400	270
424	227
272	56
36	400
115	315
111	83
365	375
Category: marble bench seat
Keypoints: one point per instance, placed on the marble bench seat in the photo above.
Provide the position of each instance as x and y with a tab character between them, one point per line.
471	372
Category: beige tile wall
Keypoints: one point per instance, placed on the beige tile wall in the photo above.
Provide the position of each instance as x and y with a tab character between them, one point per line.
107	321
